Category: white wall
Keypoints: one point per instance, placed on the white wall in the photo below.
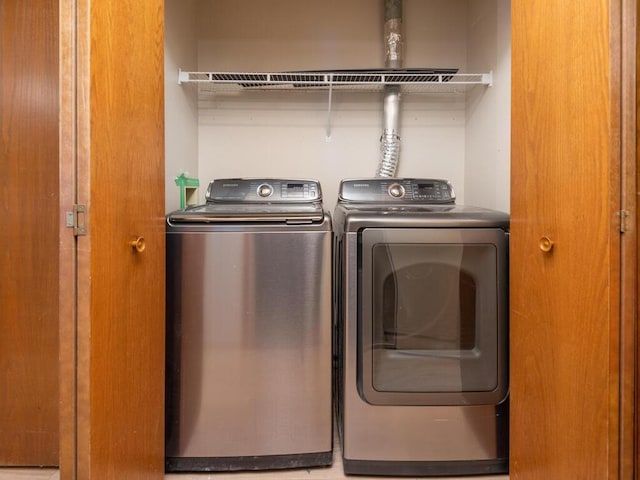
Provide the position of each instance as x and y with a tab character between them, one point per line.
261	137
181	107
488	127
284	134
273	35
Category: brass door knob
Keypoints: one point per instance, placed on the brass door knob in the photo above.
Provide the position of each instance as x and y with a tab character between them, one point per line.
545	244
138	244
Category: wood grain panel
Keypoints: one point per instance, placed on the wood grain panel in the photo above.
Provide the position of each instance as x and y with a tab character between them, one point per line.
637	223
636	432
629	245
67	253
565	185
29	235
121	292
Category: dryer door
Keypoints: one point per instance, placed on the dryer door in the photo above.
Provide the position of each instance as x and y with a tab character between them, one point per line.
432	327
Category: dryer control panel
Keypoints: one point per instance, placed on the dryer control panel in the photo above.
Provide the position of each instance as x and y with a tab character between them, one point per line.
263	190
397	190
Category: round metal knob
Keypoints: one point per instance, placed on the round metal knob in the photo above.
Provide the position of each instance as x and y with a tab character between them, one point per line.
545	244
138	244
396	190
265	190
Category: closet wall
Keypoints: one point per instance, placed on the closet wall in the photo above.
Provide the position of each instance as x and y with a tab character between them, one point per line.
181	104
463	137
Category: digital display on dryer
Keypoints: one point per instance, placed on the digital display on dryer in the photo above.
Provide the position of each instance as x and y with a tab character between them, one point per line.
425	188
435	191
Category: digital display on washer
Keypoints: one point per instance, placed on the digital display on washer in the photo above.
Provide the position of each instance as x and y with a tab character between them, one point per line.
295	190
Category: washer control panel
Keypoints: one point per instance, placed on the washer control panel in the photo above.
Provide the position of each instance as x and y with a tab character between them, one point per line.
403	190
261	190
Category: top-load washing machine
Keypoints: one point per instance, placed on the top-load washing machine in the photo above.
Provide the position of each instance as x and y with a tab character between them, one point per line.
249	329
421	330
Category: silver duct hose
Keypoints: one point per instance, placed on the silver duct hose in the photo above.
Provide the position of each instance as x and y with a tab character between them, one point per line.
390	139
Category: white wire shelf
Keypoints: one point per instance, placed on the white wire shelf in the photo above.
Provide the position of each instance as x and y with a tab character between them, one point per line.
409	81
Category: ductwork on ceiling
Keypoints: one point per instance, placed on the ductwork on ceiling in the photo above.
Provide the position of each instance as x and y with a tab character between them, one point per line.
390	139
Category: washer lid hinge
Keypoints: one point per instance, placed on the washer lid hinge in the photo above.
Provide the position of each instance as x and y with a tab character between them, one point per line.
76	219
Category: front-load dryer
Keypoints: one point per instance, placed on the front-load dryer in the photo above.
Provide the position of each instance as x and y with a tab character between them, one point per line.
421	330
249	357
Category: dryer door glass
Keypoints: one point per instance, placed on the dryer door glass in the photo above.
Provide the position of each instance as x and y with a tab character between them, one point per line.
431	327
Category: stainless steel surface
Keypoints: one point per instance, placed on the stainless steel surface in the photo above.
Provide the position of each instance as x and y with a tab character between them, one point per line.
407	432
263	190
236	213
253	343
401	191
249	334
239	200
408	427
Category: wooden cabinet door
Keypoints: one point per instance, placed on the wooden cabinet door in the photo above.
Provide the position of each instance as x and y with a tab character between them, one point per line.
120	262
29	234
565	295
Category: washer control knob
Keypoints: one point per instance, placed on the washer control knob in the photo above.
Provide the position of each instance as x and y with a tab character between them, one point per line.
396	190
265	190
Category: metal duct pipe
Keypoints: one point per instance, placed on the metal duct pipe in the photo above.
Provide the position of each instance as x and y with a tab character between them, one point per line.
390	139
393	33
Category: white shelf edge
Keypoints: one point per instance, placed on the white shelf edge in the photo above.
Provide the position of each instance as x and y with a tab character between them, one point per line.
423	81
374	80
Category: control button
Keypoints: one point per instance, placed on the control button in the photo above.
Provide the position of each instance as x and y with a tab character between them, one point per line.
265	190
396	190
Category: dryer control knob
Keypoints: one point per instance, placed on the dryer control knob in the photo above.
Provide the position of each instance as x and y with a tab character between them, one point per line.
396	190
265	190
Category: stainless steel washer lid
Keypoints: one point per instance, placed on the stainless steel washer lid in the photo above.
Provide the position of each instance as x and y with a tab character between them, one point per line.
256	200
